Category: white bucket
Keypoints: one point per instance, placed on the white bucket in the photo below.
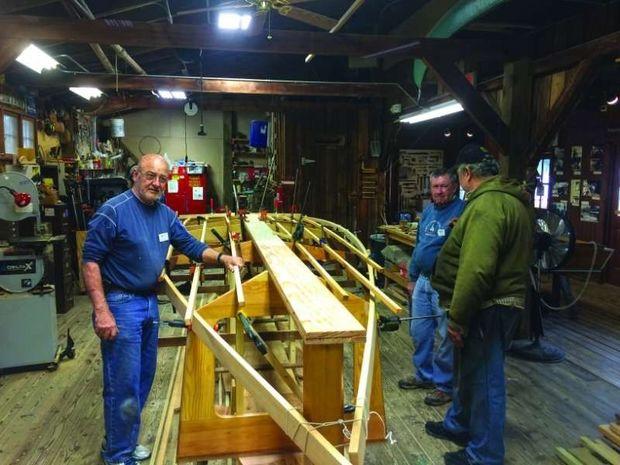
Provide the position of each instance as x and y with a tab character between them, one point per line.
117	127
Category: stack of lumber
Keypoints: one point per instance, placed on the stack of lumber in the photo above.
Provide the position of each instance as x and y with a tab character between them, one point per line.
612	431
595	451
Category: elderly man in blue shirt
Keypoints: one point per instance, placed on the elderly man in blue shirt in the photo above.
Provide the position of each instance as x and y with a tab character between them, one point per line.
124	253
432	369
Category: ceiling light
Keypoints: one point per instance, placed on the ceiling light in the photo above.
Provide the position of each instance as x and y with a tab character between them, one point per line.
86	92
36	59
233	21
612	100
469	134
447	133
171	94
435	111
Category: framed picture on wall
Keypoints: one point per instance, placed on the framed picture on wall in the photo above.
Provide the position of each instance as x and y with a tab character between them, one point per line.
575	190
558	164
596	160
589	213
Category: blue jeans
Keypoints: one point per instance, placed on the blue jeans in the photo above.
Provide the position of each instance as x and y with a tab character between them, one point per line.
129	363
479	404
430	365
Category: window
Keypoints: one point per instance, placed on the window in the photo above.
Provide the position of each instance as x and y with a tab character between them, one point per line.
11	134
541	197
27	133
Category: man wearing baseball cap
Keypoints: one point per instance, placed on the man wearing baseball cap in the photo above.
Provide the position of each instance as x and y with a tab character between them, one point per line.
481	275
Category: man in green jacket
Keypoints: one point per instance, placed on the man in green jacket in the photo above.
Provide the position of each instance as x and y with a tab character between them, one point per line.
481	277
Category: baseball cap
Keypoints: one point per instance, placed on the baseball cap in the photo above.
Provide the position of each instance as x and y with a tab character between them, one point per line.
472	154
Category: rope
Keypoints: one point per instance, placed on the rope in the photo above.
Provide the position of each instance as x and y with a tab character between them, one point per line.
315	426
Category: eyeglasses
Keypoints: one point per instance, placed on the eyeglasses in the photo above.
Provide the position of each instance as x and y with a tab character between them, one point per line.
150	176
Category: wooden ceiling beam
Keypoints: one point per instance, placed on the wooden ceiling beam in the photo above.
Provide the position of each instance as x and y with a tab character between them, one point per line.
482	113
224	86
141	34
573	92
563	59
9	50
12	6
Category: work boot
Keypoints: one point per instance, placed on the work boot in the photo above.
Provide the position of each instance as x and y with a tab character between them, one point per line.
439	431
459	457
437	398
411	382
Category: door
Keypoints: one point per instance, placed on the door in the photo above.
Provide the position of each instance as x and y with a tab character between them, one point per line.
613	270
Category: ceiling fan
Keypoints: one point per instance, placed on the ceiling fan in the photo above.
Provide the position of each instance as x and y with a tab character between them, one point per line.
283	7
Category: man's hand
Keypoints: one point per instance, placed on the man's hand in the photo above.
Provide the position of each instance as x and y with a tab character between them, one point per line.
456	337
105	325
230	262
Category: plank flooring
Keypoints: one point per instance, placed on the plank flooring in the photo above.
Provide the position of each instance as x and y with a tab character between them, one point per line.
55	418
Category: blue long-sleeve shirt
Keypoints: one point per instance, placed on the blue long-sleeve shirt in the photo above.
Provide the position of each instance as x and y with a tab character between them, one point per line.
129	240
433	230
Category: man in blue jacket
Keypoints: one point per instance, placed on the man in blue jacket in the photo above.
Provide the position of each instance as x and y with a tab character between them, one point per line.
432	369
123	256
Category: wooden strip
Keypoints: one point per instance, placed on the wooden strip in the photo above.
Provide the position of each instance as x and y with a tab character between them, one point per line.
374	290
177	299
309	440
359	431
318	314
602	450
331	282
191	301
283	373
172	398
585	456
566	457
615	427
237	273
367	260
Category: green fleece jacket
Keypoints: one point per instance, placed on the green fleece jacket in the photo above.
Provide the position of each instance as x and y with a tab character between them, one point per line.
485	259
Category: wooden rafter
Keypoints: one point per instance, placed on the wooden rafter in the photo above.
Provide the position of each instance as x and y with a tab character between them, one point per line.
225	86
141	34
9	50
473	102
583	76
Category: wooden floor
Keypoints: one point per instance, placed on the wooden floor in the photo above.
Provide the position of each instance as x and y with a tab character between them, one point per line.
55	418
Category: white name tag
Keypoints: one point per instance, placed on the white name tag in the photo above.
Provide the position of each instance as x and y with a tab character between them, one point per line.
441	232
163	237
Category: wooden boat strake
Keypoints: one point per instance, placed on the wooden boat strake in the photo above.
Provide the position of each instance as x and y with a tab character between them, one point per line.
272	411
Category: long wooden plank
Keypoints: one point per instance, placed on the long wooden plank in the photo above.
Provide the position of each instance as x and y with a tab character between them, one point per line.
359	431
602	450
365	258
306	437
318	314
176	298
331	282
610	434
172	397
236	271
374	290
191	301
566	457
200	36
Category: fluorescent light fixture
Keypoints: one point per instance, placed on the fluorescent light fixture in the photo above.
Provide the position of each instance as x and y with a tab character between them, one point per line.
36	59
233	21
172	94
86	92
435	111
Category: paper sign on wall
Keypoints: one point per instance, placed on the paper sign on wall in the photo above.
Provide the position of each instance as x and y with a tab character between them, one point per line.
197	193
173	186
